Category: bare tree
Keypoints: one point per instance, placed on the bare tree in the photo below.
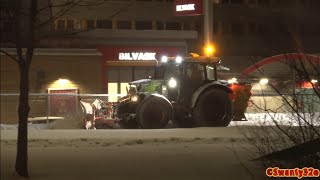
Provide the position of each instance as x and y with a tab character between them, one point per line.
292	143
32	20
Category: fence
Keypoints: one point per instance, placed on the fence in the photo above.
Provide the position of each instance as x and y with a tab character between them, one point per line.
46	106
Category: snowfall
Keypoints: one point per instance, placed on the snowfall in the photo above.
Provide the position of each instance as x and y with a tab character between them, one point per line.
118	154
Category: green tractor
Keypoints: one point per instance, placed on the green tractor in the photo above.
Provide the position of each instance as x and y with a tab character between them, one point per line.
185	91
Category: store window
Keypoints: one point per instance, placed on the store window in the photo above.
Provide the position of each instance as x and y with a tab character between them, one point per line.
123	88
143	72
113	89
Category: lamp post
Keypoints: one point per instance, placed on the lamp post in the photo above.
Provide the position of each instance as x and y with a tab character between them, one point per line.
208	21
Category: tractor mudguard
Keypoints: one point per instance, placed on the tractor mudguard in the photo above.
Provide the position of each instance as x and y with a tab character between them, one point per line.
214	84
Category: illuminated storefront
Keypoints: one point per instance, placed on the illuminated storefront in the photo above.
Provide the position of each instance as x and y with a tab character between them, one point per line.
123	64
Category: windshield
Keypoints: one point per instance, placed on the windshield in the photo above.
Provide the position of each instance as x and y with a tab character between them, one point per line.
167	70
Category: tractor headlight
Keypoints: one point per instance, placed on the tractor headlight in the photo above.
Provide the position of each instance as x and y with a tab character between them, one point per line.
134	98
172	83
164	59
178	59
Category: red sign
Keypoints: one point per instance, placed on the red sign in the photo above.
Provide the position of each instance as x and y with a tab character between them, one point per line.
62	105
132	53
187	7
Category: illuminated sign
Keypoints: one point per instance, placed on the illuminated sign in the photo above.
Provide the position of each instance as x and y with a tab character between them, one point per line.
187	7
147	56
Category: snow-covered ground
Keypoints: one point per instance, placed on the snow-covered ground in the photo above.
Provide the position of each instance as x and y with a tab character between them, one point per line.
196	153
121	154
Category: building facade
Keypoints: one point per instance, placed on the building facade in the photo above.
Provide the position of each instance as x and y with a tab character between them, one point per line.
99	48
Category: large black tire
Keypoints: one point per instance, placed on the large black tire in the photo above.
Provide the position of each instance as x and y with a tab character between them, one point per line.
154	113
127	122
213	108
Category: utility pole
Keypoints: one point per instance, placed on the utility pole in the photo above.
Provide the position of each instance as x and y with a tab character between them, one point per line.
208	21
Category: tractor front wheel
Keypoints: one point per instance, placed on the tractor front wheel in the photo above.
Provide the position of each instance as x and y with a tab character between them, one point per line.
213	108
154	113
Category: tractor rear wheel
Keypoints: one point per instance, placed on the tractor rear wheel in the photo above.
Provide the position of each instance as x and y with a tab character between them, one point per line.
154	113
213	108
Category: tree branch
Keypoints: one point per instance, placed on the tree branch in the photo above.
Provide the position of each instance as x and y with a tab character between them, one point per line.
10	55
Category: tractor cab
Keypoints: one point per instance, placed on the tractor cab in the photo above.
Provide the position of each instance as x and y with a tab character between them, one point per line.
185	76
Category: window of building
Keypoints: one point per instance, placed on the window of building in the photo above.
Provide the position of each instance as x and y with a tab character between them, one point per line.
314	3
237	1
251	1
252	28
60	24
90	24
283	3
224	1
225	28
237	29
189	25
215	27
124	25
70	25
104	24
281	29
6	26
159	25
143	25
173	26
264	29
263	2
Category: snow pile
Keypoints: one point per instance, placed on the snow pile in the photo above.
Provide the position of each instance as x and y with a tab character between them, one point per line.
283	119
